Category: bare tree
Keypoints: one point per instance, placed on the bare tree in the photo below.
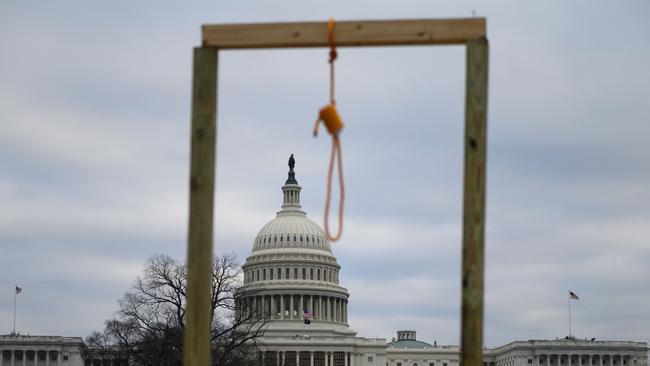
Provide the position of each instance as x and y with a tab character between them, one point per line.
150	323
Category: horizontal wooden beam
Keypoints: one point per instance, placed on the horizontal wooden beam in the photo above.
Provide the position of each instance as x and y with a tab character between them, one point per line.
346	33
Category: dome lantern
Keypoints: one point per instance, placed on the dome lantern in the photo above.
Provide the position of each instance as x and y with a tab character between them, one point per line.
291	190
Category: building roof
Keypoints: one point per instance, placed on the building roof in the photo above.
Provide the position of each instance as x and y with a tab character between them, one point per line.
409	343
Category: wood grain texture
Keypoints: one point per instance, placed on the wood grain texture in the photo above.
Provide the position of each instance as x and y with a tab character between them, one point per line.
346	33
474	204
197	347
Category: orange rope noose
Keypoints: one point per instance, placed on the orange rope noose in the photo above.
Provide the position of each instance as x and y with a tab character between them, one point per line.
330	117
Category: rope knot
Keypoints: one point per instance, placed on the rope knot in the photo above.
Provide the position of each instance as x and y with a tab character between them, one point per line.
333	55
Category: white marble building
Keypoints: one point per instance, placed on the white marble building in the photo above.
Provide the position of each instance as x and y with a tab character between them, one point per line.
20	350
406	350
292	270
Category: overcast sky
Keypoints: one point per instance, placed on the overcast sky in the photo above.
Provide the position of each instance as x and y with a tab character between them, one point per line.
94	141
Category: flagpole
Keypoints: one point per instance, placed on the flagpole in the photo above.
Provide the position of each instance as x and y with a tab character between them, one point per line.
15	295
569	314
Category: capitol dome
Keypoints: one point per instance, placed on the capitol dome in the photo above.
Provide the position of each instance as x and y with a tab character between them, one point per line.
291	276
291	228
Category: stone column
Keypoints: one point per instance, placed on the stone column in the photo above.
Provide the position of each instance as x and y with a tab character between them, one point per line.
326	314
320	308
548	360
339	313
327	309
297	358
13	357
326	358
281	306
290	306
302	306
263	299
311	358
25	359
345	356
600	360
284	358
311	305
336	309
332	358
277	358
47	359
272	306
59	356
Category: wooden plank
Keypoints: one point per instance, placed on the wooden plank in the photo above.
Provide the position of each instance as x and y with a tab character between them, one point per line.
472	271
346	33
197	349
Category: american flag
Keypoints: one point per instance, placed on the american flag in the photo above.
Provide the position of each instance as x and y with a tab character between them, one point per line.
573	296
306	316
18	290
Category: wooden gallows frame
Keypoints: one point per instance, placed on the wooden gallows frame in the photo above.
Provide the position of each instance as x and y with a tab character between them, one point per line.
469	32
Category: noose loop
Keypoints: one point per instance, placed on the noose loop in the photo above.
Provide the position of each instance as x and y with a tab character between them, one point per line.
332	121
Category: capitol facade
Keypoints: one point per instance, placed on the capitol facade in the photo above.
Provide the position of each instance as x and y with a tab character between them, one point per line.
292	278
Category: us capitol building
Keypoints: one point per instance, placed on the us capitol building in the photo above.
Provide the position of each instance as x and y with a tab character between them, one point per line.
292	275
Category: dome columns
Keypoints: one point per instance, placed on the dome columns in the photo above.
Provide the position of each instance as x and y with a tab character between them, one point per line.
291	307
291	197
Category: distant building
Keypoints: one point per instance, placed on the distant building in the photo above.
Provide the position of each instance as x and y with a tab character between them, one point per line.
20	350
292	275
408	351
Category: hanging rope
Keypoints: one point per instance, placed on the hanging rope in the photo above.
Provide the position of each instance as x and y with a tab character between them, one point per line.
332	121
333	56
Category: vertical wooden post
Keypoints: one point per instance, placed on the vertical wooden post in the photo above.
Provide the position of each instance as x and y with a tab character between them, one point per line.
471	339
197	348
